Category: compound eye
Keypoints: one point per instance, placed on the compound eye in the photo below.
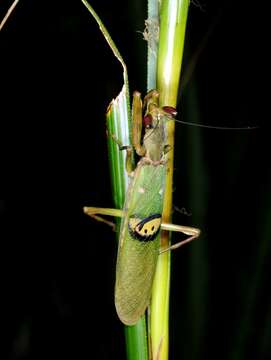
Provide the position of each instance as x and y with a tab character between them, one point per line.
170	110
148	121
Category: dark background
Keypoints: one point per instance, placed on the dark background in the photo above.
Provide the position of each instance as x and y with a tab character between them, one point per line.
57	78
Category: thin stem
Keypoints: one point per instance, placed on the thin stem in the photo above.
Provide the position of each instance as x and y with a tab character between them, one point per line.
10	10
151	35
173	16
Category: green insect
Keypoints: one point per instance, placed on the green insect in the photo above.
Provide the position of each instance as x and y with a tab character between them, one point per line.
139	241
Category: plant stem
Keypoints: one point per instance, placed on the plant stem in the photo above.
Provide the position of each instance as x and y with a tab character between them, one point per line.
151	34
173	16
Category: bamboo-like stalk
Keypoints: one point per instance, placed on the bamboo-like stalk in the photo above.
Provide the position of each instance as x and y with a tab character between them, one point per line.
173	16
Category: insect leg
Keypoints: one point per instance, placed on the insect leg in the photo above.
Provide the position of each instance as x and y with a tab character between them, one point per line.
137	124
128	163
193	233
96	212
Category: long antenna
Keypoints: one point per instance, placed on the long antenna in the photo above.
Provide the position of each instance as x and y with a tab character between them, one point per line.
216	127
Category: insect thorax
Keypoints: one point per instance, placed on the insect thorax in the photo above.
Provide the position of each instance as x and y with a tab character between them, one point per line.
155	133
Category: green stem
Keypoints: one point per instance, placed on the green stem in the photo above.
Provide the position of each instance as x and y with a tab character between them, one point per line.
173	17
151	34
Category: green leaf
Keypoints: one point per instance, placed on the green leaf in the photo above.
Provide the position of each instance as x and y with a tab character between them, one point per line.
118	125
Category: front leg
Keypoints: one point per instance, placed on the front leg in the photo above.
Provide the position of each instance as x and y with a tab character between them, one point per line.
137	124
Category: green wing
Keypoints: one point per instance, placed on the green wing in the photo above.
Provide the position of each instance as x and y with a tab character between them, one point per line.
137	256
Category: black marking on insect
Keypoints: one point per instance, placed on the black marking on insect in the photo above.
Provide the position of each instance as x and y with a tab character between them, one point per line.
144	229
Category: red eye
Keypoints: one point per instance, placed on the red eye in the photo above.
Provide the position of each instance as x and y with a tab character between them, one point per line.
147	121
170	110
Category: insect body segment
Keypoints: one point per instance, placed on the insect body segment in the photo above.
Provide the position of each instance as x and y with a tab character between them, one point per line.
154	120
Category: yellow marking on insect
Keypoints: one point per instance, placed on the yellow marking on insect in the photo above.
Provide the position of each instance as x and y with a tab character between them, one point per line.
150	227
145	229
133	222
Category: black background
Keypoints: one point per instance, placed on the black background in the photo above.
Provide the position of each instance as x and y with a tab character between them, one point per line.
57	78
